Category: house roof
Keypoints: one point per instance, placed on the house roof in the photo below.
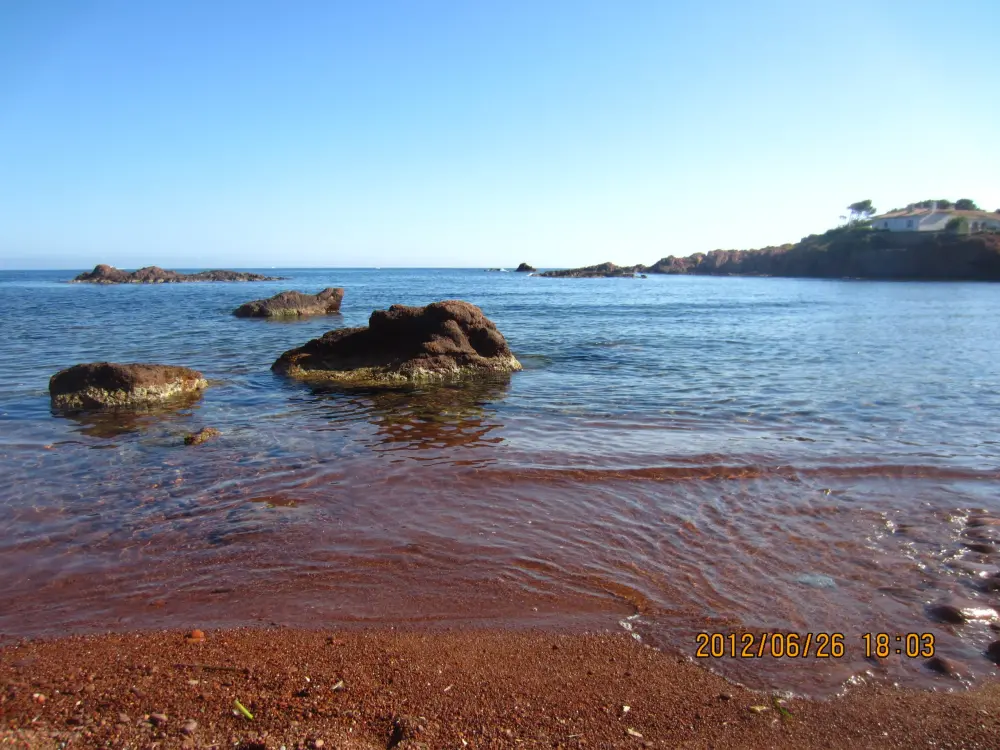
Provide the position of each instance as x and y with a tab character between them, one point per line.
914	213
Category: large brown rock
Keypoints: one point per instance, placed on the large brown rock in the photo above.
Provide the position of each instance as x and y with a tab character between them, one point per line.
293	304
107	384
442	340
105	274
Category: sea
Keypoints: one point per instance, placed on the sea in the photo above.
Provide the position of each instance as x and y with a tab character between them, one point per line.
682	457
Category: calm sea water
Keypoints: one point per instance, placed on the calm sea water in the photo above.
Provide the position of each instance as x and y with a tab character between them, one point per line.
680	454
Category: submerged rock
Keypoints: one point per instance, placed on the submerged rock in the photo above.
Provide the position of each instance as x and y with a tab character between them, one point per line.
982	520
293	304
816	581
201	436
105	274
993	652
107	384
957	611
442	340
947	667
525	268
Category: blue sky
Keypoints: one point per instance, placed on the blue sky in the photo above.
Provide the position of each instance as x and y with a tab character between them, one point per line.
424	133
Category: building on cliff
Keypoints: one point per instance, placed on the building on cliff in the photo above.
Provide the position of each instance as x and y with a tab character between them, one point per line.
934	220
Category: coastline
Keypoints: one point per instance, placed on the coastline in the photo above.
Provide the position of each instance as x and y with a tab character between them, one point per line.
411	688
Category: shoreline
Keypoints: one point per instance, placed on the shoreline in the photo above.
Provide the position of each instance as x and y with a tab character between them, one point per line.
379	687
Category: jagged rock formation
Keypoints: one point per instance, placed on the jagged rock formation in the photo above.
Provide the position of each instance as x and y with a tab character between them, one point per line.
293	304
525	268
442	340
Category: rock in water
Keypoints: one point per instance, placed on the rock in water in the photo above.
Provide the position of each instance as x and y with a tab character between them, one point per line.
993	652
525	268
600	271
293	304
447	339
201	436
957	611
106	384
105	274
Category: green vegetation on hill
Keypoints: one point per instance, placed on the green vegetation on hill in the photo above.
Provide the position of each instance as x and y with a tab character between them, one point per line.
962	204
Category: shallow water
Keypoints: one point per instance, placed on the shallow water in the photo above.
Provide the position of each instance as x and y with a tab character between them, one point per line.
680	454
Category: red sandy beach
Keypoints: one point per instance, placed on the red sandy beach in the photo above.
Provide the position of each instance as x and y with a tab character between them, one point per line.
385	688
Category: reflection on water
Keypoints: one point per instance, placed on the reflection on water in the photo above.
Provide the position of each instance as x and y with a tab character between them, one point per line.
118	421
437	417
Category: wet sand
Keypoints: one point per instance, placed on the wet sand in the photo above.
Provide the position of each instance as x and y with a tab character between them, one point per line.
384	688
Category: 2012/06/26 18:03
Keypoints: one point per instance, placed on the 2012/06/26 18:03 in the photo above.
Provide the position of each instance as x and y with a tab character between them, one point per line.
804	645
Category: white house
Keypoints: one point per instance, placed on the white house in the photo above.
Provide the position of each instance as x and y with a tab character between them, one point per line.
934	220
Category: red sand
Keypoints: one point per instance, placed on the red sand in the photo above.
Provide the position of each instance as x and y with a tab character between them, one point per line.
454	689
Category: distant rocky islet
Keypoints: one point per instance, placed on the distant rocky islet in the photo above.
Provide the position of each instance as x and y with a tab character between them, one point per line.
105	274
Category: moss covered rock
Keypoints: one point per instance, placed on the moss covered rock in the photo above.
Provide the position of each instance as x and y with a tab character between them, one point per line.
450	339
100	385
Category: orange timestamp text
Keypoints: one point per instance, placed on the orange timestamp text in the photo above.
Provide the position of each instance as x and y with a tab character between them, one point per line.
805	645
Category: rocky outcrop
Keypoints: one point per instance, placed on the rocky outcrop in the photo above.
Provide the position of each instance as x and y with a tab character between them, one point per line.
855	253
104	274
293	304
602	270
525	268
442	340
845	252
100	385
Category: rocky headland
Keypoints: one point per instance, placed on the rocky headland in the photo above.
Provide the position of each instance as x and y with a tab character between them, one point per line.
861	253
293	304
525	268
105	274
402	344
101	385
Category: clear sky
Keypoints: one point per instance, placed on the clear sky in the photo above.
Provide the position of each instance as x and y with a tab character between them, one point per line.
195	133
